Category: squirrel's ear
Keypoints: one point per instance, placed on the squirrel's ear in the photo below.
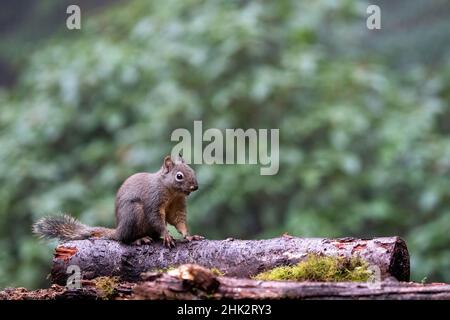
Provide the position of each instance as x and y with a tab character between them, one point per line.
168	164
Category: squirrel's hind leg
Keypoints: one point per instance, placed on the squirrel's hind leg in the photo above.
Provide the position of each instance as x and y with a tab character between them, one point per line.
130	223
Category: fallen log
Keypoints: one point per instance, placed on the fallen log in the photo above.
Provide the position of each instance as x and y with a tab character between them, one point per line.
192	282
237	258
195	282
88	291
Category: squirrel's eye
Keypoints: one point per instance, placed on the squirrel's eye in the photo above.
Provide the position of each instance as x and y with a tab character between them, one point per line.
179	176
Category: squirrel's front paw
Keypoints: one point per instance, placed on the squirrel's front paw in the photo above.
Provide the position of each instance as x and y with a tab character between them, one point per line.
194	238
168	240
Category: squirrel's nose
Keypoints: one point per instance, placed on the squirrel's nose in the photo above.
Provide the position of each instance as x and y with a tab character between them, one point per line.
194	187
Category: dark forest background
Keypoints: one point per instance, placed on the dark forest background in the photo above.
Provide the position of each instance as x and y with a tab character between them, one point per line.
364	118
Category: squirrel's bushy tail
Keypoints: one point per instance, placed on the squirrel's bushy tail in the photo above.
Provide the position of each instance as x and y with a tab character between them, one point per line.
65	228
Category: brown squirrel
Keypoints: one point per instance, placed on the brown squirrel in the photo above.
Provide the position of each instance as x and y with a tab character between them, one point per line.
145	203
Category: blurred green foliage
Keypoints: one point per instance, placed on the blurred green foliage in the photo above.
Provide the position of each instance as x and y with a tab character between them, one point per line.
364	149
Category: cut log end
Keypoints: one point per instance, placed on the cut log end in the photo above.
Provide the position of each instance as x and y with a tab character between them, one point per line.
399	267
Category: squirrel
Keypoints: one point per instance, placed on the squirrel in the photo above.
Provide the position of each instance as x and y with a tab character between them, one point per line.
145	203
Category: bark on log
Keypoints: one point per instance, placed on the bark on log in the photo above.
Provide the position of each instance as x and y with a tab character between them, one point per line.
238	258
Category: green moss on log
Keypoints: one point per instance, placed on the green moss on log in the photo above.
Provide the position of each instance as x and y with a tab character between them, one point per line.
106	286
321	268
